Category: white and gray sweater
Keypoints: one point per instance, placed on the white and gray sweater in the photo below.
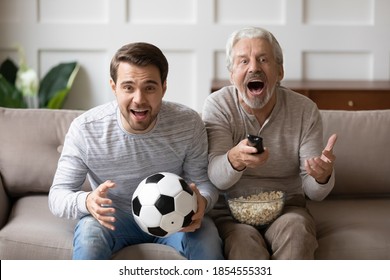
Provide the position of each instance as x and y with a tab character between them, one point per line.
98	146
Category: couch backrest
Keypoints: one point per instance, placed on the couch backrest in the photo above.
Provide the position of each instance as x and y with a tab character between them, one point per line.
31	141
30	144
363	153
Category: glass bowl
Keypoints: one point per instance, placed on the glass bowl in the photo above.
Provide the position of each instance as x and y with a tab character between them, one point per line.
255	206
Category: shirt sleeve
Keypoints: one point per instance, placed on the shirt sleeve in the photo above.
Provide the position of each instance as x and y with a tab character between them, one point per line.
196	162
66	198
220	138
312	145
316	191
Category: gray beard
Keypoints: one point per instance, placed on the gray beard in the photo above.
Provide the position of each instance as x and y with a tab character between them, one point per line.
258	103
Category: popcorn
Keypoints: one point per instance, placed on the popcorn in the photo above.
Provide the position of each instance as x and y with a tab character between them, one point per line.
257	209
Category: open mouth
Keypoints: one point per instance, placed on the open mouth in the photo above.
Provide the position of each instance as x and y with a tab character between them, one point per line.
139	114
255	87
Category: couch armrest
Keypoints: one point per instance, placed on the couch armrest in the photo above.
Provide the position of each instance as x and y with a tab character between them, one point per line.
4	205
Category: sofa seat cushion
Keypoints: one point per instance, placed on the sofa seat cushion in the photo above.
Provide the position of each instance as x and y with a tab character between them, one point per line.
32	232
352	229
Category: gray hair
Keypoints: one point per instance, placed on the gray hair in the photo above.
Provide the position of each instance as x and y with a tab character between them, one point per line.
252	32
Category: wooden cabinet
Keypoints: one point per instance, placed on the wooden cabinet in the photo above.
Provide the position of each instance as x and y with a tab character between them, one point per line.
338	95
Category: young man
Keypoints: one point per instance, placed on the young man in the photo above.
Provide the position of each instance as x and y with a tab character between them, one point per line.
293	161
119	144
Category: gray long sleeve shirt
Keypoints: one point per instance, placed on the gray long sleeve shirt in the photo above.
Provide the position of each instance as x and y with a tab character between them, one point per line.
97	145
292	133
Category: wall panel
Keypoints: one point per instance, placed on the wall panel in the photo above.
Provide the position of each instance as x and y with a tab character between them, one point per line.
220	65
73	11
91	85
250	12
10	11
337	66
332	39
181	86
336	12
155	11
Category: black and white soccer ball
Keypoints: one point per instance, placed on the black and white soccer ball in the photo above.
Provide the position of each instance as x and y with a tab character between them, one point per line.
163	203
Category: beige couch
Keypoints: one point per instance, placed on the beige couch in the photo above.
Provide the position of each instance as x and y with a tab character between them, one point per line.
353	222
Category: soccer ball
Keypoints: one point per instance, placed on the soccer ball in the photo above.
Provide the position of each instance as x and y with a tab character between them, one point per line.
163	203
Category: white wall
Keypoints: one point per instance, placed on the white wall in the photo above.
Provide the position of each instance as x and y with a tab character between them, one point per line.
321	39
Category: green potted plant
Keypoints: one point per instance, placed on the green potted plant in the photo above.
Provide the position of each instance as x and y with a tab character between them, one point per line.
20	87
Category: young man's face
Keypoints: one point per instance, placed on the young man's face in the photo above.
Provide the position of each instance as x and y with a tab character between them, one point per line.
255	71
139	93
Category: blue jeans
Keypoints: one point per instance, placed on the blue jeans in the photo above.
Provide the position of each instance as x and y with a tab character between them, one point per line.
93	241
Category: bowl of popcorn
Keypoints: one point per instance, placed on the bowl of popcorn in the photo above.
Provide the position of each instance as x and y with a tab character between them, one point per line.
255	206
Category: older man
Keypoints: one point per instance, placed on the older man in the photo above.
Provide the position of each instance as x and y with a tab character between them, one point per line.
293	159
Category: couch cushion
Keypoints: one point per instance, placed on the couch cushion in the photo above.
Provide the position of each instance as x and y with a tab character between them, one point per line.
363	154
31	141
32	232
352	229
5	205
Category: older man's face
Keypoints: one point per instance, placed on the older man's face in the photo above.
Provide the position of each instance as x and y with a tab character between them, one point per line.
255	72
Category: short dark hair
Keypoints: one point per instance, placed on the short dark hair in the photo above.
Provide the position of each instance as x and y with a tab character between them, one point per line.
140	54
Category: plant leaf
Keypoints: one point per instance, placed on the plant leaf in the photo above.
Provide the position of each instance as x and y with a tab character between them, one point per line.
58	99
9	69
56	85
9	96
